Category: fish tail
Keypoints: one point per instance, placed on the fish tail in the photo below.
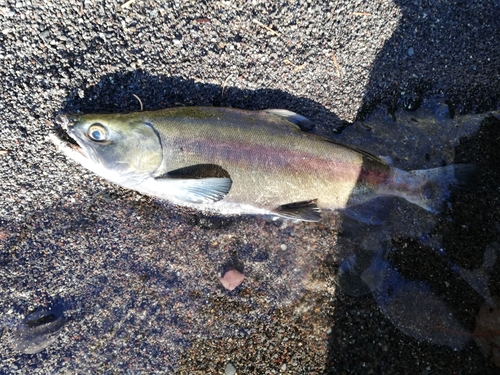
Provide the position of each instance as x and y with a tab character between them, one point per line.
430	188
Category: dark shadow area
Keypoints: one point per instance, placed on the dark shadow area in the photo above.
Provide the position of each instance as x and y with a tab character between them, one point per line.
414	283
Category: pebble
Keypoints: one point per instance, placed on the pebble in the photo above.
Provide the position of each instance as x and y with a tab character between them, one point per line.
232	279
230	369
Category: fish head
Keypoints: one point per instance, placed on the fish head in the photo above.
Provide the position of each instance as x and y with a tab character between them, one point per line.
116	143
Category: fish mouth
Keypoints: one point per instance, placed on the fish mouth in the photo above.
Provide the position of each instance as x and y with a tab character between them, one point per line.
63	139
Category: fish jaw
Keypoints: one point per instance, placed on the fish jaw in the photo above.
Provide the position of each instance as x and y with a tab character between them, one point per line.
68	148
72	150
77	154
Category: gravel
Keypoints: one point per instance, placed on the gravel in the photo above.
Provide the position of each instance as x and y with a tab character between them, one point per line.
136	282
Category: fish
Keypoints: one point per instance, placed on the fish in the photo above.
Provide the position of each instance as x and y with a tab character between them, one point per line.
235	161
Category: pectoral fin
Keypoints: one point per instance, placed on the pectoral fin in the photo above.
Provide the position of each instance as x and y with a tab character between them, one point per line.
305	210
204	190
200	183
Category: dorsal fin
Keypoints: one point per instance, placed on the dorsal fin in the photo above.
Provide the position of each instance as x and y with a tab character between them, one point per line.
302	122
306	125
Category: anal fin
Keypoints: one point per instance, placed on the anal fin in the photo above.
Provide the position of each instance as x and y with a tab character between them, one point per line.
305	211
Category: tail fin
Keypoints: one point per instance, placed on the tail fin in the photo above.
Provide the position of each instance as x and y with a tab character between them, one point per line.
432	186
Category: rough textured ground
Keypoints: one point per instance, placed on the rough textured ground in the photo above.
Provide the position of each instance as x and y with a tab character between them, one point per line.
138	281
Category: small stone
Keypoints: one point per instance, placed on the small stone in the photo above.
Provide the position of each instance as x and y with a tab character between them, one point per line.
283	247
230	369
231	279
411	51
283	367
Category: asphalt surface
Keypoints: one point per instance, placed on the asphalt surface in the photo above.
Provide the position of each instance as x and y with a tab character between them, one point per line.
96	279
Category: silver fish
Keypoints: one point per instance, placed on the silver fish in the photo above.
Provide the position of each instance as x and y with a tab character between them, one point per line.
234	161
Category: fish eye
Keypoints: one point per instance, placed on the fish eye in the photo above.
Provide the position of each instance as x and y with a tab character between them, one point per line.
97	132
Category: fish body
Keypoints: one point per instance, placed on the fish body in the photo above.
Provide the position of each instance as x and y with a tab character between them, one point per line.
236	161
